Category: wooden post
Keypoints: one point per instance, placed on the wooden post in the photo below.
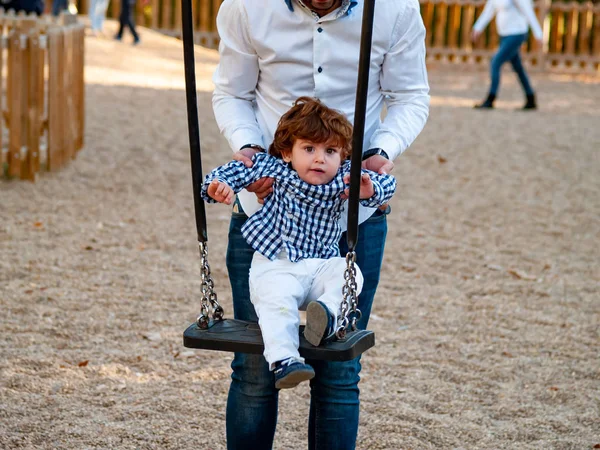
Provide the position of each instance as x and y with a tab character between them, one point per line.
440	25
31	109
453	25
557	30
596	43
55	81
79	71
2	46
427	15
178	16
155	13
467	26
15	103
585	28
571	30
205	16
166	21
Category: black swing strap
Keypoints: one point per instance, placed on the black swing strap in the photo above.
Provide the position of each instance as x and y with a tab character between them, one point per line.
192	116
360	108
349	312
209	296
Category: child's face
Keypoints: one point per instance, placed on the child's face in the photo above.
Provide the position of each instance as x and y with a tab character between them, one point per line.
315	163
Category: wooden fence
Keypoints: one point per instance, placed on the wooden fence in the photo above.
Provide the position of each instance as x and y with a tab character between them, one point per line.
41	94
571	30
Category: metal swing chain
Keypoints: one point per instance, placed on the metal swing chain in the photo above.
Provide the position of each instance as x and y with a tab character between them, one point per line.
349	313
208	293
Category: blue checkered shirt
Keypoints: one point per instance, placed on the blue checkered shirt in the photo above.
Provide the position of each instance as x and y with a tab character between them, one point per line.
298	217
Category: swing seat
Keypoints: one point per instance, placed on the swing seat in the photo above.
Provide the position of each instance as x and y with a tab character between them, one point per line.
231	335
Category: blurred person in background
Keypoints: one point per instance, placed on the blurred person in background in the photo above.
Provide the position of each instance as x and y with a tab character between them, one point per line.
513	20
126	20
97	15
29	6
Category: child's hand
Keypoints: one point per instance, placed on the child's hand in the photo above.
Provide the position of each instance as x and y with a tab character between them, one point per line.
220	191
366	186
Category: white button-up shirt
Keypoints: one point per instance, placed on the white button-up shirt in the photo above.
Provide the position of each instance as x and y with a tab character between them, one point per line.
274	51
512	17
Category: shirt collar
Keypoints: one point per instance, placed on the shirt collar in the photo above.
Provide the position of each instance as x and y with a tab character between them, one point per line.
353	3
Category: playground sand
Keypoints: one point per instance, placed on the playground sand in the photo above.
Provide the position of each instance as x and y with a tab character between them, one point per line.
486	318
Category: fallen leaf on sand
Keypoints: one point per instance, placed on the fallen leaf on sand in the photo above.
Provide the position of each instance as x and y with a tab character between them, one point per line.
83	363
521	275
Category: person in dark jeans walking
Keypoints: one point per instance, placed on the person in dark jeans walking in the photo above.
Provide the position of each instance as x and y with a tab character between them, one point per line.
513	20
126	19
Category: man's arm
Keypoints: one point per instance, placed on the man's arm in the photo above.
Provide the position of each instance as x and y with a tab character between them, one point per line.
404	83
486	16
236	78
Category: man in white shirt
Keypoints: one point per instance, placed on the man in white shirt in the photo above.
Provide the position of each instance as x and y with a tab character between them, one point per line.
272	52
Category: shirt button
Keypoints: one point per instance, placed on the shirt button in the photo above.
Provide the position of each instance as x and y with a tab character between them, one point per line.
320	30
320	69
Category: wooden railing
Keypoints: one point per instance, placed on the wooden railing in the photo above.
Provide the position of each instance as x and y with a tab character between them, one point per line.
571	30
41	94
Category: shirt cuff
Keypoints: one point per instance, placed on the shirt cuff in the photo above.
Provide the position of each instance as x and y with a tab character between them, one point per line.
375	200
243	136
388	144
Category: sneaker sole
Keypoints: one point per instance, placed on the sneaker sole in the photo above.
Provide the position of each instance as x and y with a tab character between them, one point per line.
294	379
317	319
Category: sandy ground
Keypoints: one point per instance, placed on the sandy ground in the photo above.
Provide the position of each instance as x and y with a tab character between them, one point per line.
487	317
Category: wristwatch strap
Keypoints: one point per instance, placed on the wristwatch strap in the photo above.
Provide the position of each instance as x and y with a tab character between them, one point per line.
254	146
373	152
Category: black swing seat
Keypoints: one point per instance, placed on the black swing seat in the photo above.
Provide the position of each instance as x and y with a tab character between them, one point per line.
232	335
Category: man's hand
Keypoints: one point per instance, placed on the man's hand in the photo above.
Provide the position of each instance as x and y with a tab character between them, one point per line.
245	155
220	191
475	35
263	187
378	164
366	186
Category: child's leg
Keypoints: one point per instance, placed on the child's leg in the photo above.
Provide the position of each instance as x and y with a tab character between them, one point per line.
327	289
276	292
328	281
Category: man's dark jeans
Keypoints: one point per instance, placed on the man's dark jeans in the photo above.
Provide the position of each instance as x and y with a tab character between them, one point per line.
334	408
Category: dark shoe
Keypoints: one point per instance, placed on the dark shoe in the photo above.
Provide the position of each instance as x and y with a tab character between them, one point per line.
136	41
488	103
530	104
117	37
291	372
320	324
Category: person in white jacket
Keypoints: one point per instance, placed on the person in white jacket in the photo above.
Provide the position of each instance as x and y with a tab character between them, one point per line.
513	20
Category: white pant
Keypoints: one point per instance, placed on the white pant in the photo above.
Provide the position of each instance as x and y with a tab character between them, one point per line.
278	289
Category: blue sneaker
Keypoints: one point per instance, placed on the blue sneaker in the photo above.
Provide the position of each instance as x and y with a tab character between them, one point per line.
320	324
291	372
